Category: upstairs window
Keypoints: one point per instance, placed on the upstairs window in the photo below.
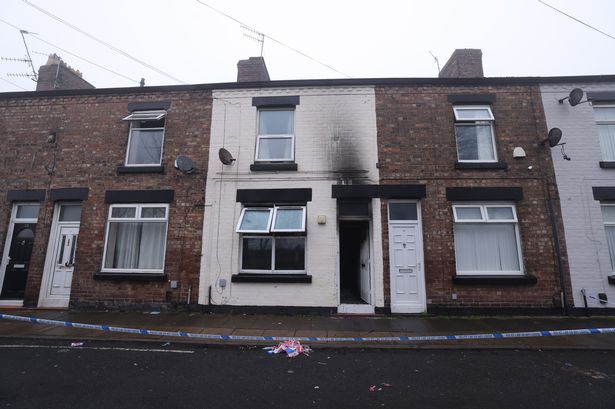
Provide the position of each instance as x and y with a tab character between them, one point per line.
605	120
145	138
276	140
474	133
487	239
273	239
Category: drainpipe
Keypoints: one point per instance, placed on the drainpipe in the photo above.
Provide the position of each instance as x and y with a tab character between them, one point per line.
560	263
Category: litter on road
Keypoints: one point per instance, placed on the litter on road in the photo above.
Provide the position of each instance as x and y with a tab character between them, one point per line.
292	348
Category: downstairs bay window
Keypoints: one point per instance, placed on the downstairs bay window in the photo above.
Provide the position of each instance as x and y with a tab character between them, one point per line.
487	239
135	241
272	239
608	217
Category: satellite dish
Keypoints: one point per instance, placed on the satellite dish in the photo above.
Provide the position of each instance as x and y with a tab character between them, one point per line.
576	95
184	164
574	98
555	135
225	157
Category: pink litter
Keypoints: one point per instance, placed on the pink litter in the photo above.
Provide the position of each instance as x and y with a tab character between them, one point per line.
292	348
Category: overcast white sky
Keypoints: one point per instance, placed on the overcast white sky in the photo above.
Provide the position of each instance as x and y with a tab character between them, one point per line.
360	38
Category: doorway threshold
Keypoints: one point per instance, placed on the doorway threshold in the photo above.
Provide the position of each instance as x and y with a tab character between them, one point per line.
355	309
11	303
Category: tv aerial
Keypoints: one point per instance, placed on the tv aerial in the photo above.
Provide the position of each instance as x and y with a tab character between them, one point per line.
225	157
184	164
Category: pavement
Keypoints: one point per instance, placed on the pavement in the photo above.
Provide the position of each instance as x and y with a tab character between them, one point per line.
290	326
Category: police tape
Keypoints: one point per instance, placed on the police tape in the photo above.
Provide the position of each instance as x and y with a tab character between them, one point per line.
417	338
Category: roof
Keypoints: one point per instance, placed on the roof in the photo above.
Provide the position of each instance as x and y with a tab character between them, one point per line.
501	81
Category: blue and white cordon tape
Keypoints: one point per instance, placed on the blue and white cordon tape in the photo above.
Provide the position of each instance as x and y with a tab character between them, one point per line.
496	335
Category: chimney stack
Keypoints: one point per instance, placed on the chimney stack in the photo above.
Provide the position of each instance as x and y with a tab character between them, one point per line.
56	74
252	70
464	63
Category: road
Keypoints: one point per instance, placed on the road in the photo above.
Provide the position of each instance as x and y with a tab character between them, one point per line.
51	374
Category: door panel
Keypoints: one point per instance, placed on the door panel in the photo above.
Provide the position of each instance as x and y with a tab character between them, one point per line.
365	276
64	260
406	270
20	253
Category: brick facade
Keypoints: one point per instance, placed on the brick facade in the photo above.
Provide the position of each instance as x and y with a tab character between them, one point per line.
91	144
416	144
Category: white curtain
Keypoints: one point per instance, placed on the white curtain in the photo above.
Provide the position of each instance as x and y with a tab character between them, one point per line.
484	142
275	148
487	248
607	141
151	250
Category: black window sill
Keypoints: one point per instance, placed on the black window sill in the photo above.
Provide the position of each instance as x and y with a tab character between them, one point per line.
495	280
481	165
271	278
122	170
130	277
607	165
260	167
611	279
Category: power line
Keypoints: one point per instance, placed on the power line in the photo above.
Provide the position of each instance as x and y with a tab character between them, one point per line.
124	53
71	53
13	84
271	38
577	20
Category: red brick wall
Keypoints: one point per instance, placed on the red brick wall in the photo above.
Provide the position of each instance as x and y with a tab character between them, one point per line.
91	144
416	144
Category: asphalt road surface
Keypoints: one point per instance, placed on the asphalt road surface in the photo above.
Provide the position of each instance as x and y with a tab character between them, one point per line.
50	374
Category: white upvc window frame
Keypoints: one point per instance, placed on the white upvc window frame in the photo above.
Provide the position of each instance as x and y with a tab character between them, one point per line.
602	122
486	220
137	218
608	224
486	120
260	136
142	116
273	234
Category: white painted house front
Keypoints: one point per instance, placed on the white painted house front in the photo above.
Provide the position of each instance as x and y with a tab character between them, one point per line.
586	185
274	236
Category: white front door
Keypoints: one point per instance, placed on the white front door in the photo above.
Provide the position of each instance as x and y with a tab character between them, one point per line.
60	261
406	256
64	260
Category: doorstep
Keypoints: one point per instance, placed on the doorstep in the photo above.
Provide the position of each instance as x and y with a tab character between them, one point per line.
355	309
11	303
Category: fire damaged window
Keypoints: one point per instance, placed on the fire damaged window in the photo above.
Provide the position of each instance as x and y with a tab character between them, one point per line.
136	238
145	138
272	239
474	133
276	140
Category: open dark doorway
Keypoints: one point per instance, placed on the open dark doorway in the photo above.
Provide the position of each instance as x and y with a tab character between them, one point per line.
354	262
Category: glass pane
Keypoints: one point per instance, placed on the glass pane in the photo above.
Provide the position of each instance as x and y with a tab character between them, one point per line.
606	133
288	219
604	113
402	211
255	220
145	147
290	253
70	213
122	212
153	212
275	148
135	245
473	114
468	213
486	248
275	123
256	253
353	208
610	239
608	214
474	142
500	213
27	211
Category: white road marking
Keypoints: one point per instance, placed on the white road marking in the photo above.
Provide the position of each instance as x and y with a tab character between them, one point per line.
176	351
